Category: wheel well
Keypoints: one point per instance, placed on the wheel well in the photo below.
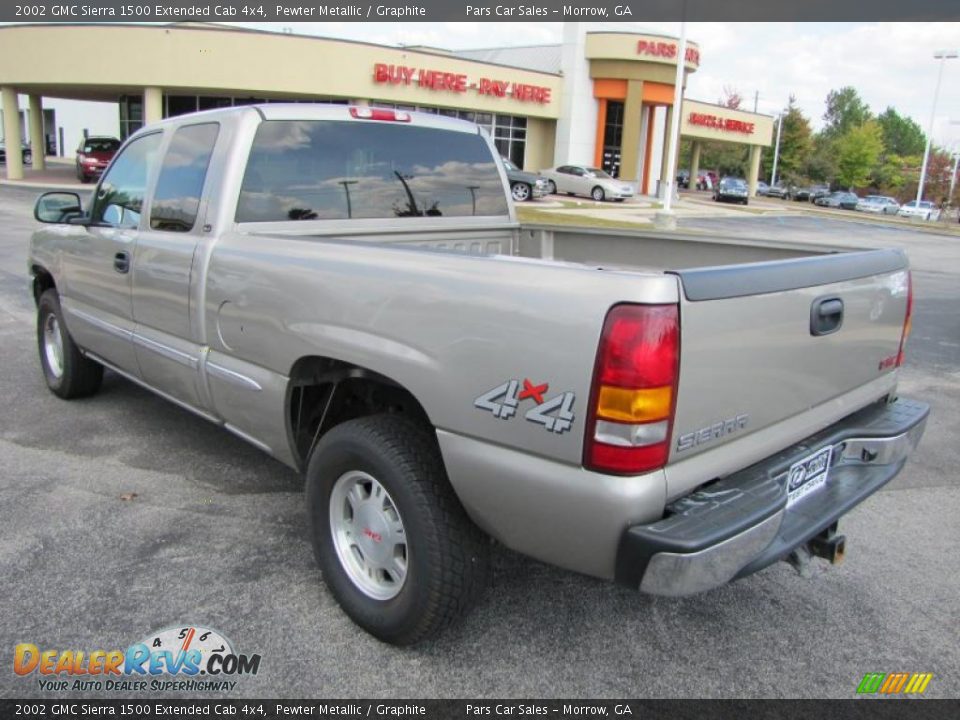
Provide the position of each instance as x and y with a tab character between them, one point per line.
323	392
42	281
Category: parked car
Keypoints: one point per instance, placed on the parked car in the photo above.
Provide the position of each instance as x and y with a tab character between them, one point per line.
93	156
466	394
707	180
762	188
799	194
880	204
924	209
26	153
584	180
732	190
778	191
839	199
818	191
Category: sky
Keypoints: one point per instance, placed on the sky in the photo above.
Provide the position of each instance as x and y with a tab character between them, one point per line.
888	63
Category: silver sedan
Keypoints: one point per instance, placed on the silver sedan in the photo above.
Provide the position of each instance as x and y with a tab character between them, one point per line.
583	180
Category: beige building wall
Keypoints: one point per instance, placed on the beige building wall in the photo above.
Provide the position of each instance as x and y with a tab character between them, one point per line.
60	61
541	136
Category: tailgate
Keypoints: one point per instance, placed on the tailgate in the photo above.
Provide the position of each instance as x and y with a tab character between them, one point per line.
763	344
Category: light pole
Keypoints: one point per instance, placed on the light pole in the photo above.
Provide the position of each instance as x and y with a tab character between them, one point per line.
677	109
942	56
776	151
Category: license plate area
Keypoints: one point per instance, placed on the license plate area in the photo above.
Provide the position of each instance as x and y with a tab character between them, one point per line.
808	475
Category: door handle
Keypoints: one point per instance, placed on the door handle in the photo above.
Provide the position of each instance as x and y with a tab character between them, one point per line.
826	315
121	262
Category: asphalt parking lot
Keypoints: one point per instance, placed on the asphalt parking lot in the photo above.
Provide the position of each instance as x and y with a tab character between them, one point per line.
215	535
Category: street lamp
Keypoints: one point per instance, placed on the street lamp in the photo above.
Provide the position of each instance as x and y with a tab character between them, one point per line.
942	56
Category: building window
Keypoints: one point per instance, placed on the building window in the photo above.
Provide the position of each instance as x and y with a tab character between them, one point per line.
613	137
131	115
510	137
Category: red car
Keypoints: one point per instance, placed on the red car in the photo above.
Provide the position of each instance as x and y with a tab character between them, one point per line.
93	156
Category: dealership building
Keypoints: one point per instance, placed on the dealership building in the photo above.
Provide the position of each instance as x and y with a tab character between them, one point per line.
604	99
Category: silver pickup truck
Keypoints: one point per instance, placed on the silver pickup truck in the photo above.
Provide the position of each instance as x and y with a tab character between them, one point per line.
348	289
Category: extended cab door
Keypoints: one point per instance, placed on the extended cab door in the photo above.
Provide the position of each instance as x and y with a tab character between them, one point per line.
167	341
96	267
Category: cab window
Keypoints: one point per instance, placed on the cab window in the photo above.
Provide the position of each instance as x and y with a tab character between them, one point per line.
176	200
119	199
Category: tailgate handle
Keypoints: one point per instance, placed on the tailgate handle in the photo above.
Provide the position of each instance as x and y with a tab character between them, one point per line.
826	315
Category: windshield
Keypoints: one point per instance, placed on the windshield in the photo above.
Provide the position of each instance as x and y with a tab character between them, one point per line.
733	182
100	145
597	172
331	170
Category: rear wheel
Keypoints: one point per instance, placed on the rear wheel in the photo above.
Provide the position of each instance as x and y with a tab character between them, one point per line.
597	194
68	373
551	188
396	548
520	191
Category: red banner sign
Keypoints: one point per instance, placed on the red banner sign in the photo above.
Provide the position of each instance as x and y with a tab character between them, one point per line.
719	123
439	80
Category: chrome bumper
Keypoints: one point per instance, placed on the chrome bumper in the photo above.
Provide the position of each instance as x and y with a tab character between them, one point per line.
740	524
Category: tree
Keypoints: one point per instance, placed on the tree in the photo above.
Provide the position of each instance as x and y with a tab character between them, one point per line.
901	134
796	139
845	110
732	98
858	151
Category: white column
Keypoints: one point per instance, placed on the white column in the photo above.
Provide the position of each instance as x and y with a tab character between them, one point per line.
152	105
577	124
11	133
38	143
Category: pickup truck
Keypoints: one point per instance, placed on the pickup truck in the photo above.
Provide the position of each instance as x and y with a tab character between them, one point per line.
349	290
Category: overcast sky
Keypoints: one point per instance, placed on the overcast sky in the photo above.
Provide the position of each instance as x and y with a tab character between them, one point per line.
888	63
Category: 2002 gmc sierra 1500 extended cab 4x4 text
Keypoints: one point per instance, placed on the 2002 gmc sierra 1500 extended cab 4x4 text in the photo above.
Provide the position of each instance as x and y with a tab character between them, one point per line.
348	289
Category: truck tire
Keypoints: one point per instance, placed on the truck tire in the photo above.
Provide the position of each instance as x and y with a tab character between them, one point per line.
68	373
395	546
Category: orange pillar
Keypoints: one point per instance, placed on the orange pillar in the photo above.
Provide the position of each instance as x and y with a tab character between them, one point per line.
601	126
648	152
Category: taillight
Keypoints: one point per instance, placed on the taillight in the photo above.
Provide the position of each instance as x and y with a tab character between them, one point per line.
366	113
907	320
634	390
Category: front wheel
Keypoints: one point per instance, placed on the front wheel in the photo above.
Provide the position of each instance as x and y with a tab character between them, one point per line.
520	192
396	548
597	194
68	373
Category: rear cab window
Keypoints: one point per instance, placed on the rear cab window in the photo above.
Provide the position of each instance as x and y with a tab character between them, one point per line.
337	170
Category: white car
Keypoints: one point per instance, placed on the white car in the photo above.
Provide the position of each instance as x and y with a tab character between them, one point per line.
583	180
880	204
924	209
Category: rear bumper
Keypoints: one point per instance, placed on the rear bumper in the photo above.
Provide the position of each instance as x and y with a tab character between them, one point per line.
740	524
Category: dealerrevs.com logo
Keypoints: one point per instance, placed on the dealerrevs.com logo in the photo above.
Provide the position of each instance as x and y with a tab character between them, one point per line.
186	659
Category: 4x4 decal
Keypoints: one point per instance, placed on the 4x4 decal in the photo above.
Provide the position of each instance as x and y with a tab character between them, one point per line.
555	414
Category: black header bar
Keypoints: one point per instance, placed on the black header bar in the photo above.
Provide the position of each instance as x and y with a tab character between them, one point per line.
637	11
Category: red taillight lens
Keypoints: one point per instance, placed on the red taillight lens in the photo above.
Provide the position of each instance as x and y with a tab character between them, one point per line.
366	113
907	320
634	390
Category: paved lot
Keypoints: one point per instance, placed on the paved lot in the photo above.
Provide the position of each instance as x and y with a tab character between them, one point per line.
215	536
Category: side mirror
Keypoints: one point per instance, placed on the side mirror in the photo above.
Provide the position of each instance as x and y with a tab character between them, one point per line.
58	207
